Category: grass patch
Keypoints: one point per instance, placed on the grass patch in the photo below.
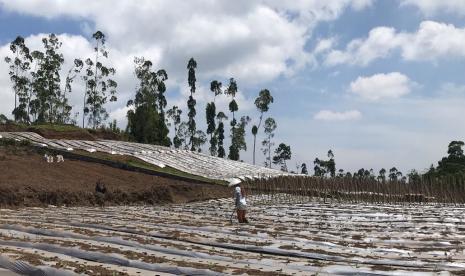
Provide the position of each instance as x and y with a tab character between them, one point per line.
57	127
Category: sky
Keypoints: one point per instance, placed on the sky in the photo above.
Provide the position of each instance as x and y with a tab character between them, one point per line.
381	83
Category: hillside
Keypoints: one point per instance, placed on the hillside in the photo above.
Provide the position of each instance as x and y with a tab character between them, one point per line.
27	180
158	158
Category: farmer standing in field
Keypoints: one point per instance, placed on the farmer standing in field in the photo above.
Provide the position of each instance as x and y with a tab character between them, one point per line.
239	200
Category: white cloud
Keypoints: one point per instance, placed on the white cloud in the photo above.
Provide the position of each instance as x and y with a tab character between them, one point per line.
432	7
379	44
432	41
254	41
381	86
324	45
328	115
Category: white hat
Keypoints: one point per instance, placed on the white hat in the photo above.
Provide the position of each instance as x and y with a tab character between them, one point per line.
234	182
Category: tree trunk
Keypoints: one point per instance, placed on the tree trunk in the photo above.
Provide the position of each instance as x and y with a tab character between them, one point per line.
254	140
269	151
84	107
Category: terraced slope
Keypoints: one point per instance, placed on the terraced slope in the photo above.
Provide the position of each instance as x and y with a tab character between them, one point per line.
183	160
198	239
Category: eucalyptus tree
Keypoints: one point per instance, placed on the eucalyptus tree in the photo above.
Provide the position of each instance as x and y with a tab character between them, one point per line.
200	138
51	66
37	83
191	66
262	103
46	81
454	149
210	114
184	135
146	123
319	167
220	133
394	174
382	175
331	164
73	72
99	84
174	114
304	169
231	90
238	139
267	143
324	167
158	78
19	65
282	153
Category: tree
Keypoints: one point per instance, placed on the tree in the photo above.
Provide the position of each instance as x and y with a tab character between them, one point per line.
99	85
382	175
319	167
51	103
220	133
48	90
282	153
72	74
238	139
191	66
262	103
215	87
340	173
210	113
454	163
113	126
19	66
184	135
331	164
3	119
394	174
231	90
158	78
200	138
304	169
413	176
175	115
455	149
323	167
267	143
146	123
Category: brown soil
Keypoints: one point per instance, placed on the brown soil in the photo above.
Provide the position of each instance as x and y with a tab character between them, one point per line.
27	180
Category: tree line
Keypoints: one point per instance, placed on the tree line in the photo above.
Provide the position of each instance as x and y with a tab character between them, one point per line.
452	164
42	96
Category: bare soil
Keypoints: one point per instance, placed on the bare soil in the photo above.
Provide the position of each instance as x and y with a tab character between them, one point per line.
27	180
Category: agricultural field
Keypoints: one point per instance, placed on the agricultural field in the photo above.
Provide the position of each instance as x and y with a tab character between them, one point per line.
199	239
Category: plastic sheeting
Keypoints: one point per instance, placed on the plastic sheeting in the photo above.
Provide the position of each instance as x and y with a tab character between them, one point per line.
104	258
24	268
